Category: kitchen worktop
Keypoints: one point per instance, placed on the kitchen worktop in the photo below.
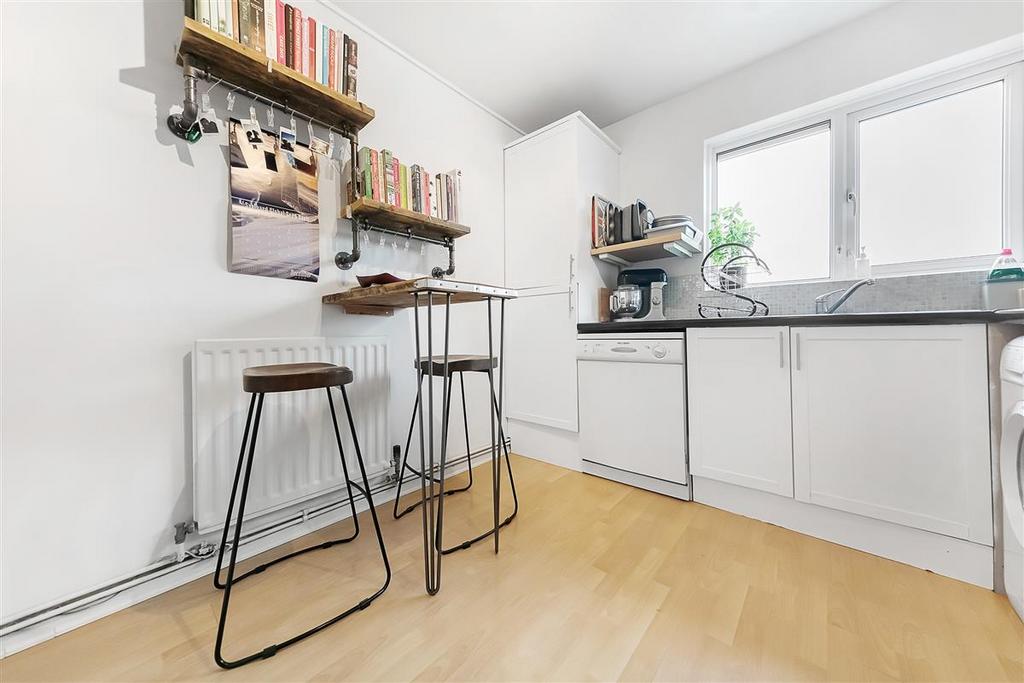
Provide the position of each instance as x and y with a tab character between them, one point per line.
809	320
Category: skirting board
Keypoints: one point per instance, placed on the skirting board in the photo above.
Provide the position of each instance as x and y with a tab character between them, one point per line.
58	625
546	444
665	488
945	555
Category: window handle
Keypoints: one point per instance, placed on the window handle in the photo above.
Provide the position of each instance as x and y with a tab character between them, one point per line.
851	197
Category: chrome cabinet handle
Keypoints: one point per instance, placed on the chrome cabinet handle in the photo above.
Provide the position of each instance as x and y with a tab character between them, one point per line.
797	350
572	278
782	351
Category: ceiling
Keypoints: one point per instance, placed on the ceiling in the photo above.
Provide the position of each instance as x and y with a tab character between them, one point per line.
534	62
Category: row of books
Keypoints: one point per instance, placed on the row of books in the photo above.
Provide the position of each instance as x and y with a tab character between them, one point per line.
386	179
285	35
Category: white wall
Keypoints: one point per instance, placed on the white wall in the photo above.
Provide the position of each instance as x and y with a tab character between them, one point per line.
114	262
662	147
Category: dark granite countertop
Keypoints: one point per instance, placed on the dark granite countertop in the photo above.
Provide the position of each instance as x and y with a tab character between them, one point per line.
809	320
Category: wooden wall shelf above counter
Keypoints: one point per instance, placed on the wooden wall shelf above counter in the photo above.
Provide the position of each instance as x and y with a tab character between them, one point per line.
226	58
390	217
660	245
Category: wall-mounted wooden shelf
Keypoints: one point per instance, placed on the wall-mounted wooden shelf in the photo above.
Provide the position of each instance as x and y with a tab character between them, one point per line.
394	218
661	245
226	58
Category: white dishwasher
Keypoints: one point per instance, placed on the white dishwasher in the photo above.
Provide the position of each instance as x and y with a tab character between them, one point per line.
632	399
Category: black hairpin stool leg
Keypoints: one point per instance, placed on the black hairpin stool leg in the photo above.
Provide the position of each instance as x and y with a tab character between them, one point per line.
515	497
271	650
405	458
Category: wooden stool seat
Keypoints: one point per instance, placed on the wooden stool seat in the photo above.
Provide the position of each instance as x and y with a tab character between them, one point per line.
266	379
458	363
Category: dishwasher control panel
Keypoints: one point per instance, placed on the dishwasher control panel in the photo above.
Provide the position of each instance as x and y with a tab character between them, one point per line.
631	350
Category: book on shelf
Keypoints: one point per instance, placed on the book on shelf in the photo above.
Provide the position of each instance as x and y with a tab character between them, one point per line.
223	17
332	59
351	65
403	186
289	34
270	29
415	189
432	196
311	48
282	32
279	25
389	178
297	50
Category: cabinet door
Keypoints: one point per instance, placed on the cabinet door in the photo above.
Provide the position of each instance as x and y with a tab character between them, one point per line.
541	361
541	223
892	423
739	406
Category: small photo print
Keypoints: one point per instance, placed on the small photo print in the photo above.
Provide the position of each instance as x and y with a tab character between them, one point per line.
208	123
287	139
321	147
252	132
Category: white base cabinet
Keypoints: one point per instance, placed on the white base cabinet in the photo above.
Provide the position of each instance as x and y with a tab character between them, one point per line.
892	423
739	406
887	423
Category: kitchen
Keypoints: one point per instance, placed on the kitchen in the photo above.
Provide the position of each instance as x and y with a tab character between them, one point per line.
726	444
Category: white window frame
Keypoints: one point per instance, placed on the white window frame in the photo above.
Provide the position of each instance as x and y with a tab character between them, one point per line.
1003	61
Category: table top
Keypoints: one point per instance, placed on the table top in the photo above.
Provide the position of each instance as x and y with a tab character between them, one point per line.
399	294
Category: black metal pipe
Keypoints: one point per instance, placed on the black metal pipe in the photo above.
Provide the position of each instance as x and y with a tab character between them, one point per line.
438	272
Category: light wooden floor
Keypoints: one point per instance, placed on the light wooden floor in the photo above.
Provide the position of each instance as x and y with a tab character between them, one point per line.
595	581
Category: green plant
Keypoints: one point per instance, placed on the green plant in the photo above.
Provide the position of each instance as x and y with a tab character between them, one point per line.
728	224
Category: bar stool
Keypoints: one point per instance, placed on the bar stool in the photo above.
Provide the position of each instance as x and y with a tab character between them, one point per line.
460	364
260	381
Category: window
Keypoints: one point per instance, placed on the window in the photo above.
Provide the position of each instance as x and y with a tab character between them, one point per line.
926	178
782	187
930	178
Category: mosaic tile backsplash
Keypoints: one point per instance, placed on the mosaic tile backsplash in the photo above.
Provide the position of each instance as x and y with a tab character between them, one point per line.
942	292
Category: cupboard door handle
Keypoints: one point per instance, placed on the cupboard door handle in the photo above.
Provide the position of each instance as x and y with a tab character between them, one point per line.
797	350
782	351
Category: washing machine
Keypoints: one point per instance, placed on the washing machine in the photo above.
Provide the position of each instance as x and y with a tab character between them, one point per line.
1011	471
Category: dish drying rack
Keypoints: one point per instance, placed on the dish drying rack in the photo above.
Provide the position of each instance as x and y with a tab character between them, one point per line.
724	301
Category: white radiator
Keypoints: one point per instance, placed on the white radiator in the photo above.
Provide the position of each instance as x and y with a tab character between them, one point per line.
296	452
